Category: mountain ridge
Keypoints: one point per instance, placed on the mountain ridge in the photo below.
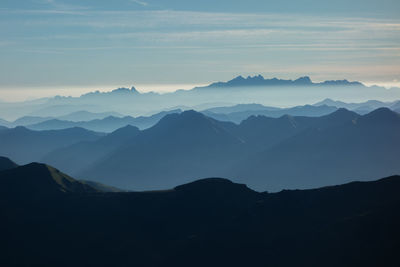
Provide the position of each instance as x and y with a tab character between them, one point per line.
215	221
259	80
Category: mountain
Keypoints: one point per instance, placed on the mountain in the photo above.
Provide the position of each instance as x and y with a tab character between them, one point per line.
60	106
184	147
210	222
108	124
75	116
39	180
6	164
237	117
255	89
260	132
84	115
395	106
178	149
116	92
361	108
3	122
26	120
239	108
261	81
356	149
24	145
76	157
101	187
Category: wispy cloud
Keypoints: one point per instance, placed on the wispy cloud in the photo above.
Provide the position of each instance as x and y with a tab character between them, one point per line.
203	41
142	3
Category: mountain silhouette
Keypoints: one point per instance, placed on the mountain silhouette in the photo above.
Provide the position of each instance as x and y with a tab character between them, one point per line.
210	222
246	90
107	124
357	148
239	116
361	108
6	164
39	180
261	81
180	146
239	108
192	145
24	145
184	147
76	157
83	115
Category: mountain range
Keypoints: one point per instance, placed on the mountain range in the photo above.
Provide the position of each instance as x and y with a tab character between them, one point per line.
51	219
108	124
259	80
257	89
24	145
235	113
104	122
245	111
188	146
361	108
77	116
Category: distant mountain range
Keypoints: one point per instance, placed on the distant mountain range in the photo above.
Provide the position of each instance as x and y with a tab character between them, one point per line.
259	80
108	124
51	219
361	108
84	154
77	116
187	146
24	145
234	113
239	113
256	89
354	146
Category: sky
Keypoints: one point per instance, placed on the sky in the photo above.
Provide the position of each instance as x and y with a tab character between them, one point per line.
50	47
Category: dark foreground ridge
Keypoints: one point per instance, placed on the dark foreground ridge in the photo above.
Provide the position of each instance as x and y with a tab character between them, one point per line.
6	164
50	219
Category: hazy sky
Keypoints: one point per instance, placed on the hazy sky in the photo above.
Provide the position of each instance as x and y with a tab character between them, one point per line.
50	45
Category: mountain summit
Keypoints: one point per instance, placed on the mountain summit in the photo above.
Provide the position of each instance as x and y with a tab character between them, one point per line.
259	80
37	179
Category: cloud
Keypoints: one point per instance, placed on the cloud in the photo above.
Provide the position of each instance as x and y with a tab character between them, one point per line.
142	3
230	40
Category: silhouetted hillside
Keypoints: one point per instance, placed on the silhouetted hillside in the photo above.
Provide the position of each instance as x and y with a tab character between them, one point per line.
53	220
361	108
239	108
360	148
108	124
38	180
24	145
239	116
179	147
189	145
74	158
83	115
6	164
101	187
261	81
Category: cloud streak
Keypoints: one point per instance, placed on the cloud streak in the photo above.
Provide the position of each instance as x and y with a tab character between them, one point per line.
142	3
201	41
